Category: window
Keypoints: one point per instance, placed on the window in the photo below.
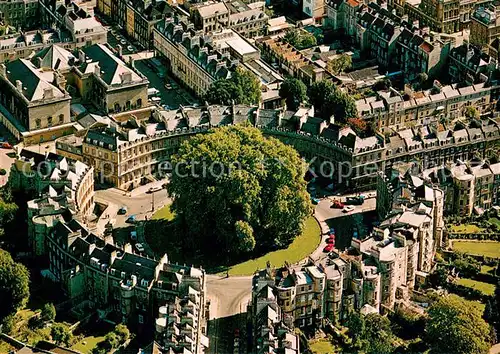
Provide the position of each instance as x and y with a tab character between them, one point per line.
38	123
141	319
139	103
61	118
49	121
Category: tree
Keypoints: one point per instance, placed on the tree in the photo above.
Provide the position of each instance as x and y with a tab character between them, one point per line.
471	112
60	334
243	88
48	312
422	78
382	85
232	184
371	333
300	39
122	332
294	92
14	285
358	125
340	64
112	340
454	326
319	91
340	105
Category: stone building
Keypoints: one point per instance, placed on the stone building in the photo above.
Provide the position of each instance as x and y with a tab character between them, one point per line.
20	13
62	188
103	79
132	288
485	29
34	104
470	64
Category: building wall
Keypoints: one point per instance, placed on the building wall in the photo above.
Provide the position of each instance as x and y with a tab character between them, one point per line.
127	98
49	114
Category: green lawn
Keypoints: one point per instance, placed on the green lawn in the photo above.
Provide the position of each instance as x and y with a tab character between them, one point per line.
164	213
300	248
489	249
485	269
485	288
87	344
466	228
321	346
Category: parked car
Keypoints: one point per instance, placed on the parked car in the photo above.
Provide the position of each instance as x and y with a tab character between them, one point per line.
355	200
348	209
328	248
139	247
336	204
122	210
131	219
133	235
315	201
154	189
6	145
330	240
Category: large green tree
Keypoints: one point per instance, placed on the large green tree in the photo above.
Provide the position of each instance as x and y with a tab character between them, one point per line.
294	92
371	333
61	334
14	285
339	64
300	39
454	326
340	105
318	93
243	87
232	188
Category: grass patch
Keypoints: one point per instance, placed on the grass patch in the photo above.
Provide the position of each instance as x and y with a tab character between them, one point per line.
489	249
164	214
486	269
300	248
87	344
466	229
485	288
321	346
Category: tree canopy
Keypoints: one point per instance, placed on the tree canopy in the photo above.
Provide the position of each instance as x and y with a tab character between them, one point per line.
48	312
294	92
243	87
61	334
233	189
454	326
328	100
339	64
300	39
371	333
14	285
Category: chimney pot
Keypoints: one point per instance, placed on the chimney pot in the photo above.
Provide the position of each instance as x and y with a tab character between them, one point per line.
19	85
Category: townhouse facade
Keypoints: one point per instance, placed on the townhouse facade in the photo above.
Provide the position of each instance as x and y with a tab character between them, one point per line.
342	15
391	111
130	287
447	16
470	64
85	30
485	29
20	13
61	187
472	186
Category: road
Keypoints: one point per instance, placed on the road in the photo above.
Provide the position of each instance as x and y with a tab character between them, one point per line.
228	296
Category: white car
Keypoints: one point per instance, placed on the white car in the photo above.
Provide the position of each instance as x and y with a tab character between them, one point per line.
154	189
130	48
348	209
139	247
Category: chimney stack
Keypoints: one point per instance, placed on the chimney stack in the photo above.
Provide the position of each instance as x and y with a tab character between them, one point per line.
119	49
19	85
3	70
81	56
97	70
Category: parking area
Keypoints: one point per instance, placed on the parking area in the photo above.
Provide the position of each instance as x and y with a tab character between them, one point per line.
171	94
115	38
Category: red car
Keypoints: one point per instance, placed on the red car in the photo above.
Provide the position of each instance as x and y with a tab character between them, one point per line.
6	145
330	240
337	205
328	248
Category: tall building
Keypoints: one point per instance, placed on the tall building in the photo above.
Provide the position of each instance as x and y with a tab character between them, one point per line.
20	13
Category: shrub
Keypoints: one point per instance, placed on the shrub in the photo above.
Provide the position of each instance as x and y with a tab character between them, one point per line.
2	172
